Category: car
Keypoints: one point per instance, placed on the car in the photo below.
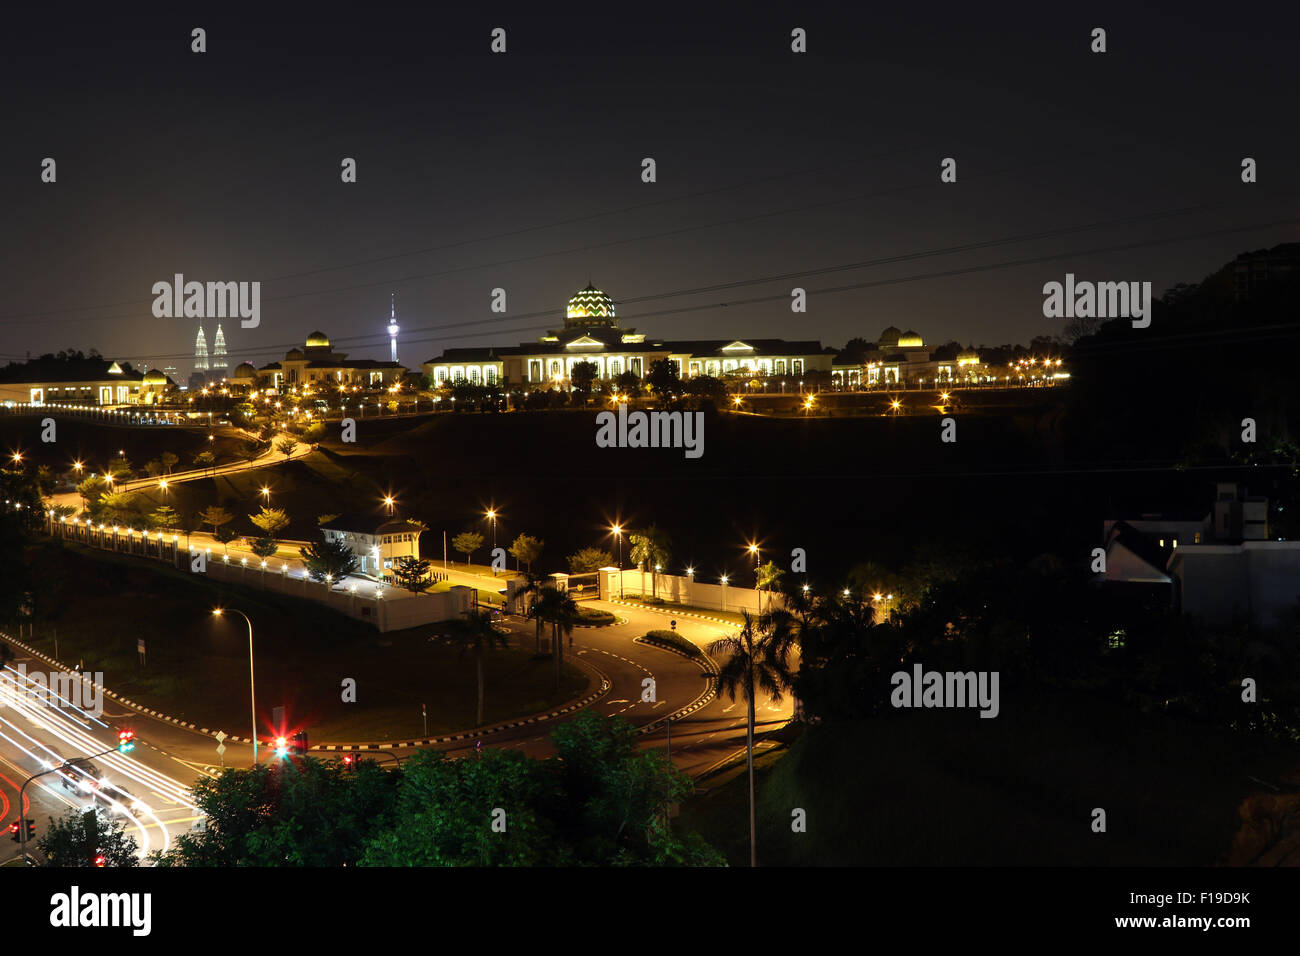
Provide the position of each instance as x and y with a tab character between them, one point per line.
81	777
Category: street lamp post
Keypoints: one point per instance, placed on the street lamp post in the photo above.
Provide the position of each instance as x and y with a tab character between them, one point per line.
618	533
252	690
492	516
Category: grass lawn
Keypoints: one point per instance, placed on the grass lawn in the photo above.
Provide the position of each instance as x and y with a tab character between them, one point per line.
197	666
945	788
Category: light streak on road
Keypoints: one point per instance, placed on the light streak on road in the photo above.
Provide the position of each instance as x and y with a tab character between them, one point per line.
71	731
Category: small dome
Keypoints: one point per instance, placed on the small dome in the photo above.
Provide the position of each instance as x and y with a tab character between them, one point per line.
245	370
890	336
590	307
318	340
910	339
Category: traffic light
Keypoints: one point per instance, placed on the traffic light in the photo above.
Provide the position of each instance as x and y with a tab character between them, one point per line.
101	860
300	742
125	741
350	763
18	826
281	747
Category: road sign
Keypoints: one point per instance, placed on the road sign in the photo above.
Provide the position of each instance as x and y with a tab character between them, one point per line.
673	624
220	735
221	748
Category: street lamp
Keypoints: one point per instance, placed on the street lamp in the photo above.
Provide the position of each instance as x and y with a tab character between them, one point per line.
388	503
492	516
252	692
618	533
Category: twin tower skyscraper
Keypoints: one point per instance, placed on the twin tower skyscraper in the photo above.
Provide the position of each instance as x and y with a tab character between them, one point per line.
219	364
219	361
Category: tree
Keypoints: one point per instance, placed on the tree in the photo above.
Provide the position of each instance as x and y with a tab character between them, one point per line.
527	549
205	459
475	632
532	588
412	573
558	609
768	579
63	511
756	660
116	506
467	542
322	520
332	558
91	491
650	547
581	376
188	524
629	383
443	813
216	516
164	516
617	798
590	559
270	520
223	537
294	812
77	837
285	445
169	460
264	547
662	377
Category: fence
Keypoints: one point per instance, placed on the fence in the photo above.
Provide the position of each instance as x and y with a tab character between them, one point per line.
387	609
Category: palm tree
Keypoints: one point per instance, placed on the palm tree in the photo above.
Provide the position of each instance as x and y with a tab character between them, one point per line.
533	585
558	609
768	577
476	632
756	661
650	547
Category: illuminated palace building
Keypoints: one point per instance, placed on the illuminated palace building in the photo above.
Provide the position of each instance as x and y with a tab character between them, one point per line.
591	333
317	364
902	359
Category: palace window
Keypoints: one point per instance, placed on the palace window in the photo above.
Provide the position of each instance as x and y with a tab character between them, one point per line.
695	369
634	366
796	366
780	366
535	370
615	367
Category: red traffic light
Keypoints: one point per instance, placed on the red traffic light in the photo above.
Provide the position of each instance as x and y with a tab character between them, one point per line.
125	741
101	860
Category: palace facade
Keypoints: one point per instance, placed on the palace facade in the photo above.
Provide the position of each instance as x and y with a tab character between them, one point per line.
591	333
316	363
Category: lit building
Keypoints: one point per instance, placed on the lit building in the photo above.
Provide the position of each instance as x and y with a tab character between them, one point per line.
591	333
201	352
377	541
316	363
902	358
219	361
91	381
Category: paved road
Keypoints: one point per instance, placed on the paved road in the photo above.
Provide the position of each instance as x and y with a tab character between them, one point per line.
147	788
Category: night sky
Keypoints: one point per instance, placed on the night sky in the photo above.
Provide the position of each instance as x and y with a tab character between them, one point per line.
523	170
